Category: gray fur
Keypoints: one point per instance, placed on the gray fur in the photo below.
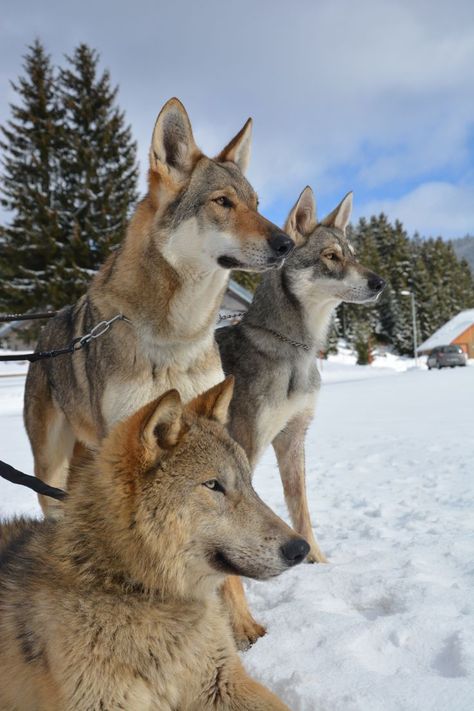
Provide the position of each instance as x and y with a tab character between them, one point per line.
276	383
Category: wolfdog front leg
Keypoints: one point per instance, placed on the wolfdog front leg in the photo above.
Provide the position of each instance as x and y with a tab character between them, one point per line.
289	450
246	630
234	690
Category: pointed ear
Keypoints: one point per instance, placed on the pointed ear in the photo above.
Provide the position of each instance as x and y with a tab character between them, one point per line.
172	145
214	403
302	218
238	150
161	424
341	215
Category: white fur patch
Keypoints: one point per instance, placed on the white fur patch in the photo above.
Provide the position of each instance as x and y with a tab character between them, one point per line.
273	418
122	399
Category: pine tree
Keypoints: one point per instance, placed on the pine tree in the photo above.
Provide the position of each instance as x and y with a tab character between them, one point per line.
99	169
442	284
31	146
69	181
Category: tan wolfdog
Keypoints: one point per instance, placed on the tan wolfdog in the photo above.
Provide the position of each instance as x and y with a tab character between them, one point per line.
272	354
115	605
198	220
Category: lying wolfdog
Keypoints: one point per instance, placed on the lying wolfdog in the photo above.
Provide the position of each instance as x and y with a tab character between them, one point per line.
198	220
272	354
115	604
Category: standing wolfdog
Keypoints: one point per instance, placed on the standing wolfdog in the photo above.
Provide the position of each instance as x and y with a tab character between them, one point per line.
198	220
272	354
115	605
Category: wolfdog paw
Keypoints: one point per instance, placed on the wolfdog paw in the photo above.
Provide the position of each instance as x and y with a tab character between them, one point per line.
315	555
247	632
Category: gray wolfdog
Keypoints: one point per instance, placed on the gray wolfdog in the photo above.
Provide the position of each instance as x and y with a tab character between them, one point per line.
115	605
272	354
198	220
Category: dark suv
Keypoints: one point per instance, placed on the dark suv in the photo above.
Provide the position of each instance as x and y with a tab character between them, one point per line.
446	357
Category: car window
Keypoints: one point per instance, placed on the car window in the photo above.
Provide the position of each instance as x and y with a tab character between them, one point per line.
452	349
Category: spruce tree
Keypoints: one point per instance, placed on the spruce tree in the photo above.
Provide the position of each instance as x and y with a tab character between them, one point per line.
442	284
30	144
99	168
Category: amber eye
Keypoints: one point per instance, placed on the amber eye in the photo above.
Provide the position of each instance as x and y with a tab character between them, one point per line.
332	256
223	201
214	485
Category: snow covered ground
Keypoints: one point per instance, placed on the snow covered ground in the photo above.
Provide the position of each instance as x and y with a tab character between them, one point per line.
388	624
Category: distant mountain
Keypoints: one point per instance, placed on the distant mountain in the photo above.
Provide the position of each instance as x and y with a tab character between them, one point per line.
464	248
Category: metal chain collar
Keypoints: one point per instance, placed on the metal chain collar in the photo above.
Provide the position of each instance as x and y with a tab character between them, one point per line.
284	339
228	317
98	331
76	345
280	336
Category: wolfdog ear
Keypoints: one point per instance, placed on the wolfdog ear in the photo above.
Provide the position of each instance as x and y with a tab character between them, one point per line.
302	219
214	403
341	215
172	145
161	425
238	149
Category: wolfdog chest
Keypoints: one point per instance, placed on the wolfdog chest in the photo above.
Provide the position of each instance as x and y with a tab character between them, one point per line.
274	415
289	393
190	369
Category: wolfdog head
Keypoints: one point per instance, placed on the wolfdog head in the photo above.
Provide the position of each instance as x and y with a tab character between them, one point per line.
204	210
323	266
179	502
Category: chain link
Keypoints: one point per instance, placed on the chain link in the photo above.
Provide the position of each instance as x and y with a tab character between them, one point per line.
281	337
98	330
228	317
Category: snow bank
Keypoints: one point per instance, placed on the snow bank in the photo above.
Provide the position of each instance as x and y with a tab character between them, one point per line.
388	624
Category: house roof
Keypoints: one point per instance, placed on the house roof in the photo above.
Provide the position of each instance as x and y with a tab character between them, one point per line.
451	330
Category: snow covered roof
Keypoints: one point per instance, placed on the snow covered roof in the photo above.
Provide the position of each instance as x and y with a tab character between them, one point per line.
451	330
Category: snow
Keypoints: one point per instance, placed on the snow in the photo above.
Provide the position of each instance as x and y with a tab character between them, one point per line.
451	330
388	624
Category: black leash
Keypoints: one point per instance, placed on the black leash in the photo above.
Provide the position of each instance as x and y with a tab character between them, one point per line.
76	344
31	357
32	482
5	318
8	472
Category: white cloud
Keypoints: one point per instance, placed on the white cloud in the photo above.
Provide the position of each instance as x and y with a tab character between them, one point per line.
432	209
380	90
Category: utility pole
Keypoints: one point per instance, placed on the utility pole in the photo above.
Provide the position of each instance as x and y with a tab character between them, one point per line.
407	292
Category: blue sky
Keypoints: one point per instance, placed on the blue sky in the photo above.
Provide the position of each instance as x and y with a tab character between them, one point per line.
375	96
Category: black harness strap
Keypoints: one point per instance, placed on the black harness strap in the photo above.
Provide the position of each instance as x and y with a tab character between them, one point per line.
32	482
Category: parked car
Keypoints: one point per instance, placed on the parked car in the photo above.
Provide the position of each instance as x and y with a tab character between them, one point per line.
446	357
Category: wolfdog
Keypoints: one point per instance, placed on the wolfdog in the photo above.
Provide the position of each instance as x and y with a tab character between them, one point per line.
198	220
115	605
272	354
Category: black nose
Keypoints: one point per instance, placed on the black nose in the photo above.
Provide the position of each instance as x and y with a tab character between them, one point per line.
375	282
294	551
281	244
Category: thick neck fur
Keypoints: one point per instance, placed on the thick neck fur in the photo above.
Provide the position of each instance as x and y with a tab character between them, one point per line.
276	306
174	296
101	546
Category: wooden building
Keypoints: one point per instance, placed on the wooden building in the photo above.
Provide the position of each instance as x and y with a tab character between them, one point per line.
458	331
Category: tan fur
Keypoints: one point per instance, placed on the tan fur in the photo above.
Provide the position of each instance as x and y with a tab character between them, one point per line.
116	605
167	278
